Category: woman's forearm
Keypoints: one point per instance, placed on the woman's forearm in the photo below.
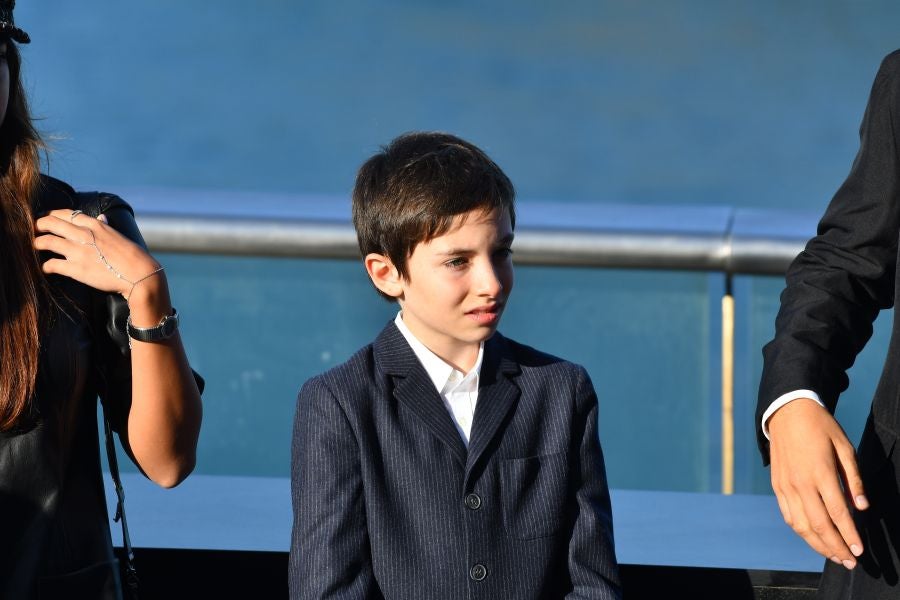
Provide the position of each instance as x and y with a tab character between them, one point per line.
164	420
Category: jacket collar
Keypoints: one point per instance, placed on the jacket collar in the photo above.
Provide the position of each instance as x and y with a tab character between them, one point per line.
497	394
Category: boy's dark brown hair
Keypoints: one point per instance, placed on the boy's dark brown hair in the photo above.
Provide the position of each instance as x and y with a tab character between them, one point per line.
411	191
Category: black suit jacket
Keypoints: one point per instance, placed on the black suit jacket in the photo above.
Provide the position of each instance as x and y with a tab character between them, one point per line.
844	277
389	503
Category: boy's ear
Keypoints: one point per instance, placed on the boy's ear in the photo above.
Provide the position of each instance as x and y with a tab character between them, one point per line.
384	274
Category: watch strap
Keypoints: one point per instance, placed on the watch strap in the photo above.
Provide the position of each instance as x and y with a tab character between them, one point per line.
167	327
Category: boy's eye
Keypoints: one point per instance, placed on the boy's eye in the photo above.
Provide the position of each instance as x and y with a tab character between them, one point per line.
503	253
456	263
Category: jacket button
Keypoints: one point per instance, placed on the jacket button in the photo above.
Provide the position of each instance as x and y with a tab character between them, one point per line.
478	572
473	501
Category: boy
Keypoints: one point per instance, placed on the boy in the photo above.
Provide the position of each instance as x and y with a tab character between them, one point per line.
444	460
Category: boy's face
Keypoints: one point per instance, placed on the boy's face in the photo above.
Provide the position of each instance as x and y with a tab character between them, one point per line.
458	285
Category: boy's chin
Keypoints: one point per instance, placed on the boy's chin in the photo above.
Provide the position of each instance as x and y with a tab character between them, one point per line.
486	333
476	337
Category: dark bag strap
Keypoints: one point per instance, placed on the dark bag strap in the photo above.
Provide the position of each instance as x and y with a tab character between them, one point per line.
131	577
90	204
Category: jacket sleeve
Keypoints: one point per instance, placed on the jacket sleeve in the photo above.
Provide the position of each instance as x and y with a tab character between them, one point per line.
593	569
845	275
330	556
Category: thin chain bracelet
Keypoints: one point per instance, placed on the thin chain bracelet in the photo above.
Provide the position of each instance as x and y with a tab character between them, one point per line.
160	269
113	270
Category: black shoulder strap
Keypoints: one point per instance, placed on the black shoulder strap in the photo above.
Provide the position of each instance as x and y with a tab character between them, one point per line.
90	204
131	577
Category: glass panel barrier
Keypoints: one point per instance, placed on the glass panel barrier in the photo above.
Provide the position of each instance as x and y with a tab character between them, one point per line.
650	341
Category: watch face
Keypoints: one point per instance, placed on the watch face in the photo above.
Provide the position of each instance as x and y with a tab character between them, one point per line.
169	327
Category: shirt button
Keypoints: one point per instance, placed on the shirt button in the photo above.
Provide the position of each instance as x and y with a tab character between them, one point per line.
473	501
478	572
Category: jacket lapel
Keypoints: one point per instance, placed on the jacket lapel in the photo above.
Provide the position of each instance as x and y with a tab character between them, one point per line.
497	395
415	390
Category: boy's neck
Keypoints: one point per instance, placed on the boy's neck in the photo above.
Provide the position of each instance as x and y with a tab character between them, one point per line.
462	357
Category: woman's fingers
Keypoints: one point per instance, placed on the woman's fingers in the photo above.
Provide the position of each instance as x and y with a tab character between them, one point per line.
102	257
60	266
56	244
82	228
75	217
65	229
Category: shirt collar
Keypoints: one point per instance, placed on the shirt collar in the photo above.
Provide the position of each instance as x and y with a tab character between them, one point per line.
438	371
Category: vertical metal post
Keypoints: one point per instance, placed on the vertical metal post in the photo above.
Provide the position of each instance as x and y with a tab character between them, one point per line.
728	388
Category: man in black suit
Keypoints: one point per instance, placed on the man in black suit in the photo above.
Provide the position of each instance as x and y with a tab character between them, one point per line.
845	504
444	461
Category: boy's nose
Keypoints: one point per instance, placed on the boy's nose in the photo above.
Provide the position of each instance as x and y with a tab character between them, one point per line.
489	282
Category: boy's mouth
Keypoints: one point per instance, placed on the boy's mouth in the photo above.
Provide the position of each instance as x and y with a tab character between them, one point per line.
486	315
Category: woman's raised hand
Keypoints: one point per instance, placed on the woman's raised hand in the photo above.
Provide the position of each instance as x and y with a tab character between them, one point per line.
92	252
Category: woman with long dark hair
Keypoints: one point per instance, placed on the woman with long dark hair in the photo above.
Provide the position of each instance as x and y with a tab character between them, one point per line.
84	312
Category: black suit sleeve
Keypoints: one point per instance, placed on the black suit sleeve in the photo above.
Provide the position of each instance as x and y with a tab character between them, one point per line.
592	559
837	285
330	554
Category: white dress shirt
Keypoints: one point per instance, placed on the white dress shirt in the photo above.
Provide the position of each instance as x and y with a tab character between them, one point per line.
458	390
784	399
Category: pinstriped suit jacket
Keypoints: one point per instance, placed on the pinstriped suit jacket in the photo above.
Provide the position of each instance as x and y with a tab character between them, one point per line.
389	503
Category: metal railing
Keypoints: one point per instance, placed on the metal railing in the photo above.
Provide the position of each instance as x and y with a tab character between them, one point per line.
713	239
727	251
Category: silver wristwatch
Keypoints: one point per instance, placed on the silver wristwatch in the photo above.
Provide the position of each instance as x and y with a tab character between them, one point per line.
166	329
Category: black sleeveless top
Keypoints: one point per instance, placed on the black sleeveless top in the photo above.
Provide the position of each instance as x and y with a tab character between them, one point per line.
54	527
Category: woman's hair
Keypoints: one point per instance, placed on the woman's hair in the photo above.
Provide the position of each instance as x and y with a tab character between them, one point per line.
23	288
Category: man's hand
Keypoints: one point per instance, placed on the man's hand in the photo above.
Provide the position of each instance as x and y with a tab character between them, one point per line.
812	460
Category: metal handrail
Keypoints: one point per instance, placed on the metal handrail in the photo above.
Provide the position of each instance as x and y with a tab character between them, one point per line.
727	251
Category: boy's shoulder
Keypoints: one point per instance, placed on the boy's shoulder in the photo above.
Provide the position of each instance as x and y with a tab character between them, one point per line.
551	382
365	369
352	375
537	363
